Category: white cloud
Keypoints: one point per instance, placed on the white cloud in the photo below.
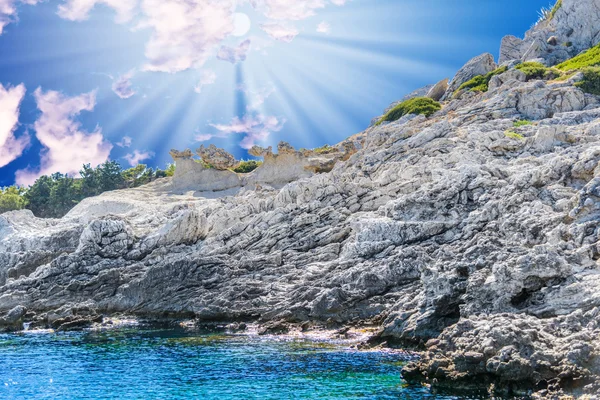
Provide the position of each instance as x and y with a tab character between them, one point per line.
185	31
290	9
254	127
122	85
8	11
79	10
257	98
125	142
281	32
66	146
324	27
137	157
234	54
11	147
203	137
207	77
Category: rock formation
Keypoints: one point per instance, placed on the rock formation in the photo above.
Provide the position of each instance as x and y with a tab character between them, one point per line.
572	29
461	234
479	65
217	158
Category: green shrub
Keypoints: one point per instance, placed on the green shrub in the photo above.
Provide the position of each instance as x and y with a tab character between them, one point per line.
480	82
589	58
416	105
568	44
522	122
591	80
247	166
534	70
514	135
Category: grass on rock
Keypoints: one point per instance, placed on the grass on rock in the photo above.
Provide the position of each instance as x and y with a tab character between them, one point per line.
522	122
535	70
514	135
417	105
480	82
591	80
589	58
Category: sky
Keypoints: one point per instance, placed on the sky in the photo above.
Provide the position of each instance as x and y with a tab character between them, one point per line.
86	81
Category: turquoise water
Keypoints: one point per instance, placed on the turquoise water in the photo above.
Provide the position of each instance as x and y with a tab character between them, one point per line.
178	364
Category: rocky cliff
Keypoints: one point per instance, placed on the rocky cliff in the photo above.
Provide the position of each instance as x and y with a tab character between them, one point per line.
464	234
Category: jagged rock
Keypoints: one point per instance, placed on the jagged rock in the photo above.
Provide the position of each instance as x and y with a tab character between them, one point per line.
13	320
258	151
108	238
181	155
510	49
438	90
217	158
285	148
479	65
535	51
576	22
505	79
193	175
461	232
539	101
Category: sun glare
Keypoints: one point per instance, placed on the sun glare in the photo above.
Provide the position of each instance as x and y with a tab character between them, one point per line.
242	24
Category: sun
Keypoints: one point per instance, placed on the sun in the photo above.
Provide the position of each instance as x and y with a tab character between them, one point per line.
242	24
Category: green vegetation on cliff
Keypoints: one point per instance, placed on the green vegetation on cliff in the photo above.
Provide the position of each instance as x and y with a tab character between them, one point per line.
417	105
555	9
247	166
480	82
589	58
591	80
53	196
521	122
535	70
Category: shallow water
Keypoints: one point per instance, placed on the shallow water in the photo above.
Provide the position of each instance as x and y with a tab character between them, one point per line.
178	364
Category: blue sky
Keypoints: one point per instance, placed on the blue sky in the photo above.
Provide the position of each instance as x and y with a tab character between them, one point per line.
90	80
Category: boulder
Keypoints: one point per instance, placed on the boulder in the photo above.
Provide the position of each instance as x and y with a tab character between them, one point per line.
438	90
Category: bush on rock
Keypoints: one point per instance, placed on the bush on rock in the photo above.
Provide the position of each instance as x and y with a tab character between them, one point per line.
247	166
589	58
480	82
591	80
417	105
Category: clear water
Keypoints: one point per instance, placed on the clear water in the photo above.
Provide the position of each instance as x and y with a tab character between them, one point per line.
176	364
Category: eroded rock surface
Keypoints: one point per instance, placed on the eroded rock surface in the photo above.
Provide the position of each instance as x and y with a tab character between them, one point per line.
574	27
460	233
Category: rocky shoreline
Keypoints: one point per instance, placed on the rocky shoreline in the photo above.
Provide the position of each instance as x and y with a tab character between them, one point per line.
472	234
